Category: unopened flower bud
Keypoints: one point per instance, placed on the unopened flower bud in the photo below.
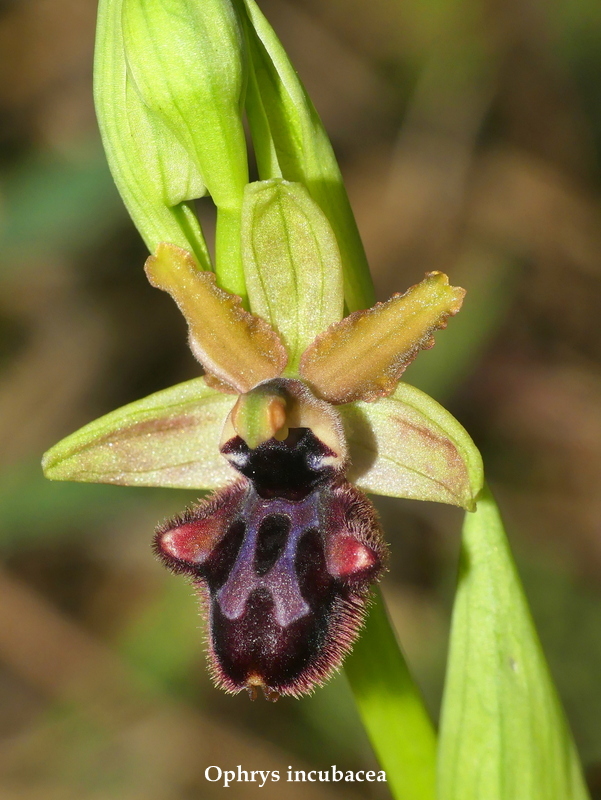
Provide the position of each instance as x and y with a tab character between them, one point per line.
170	79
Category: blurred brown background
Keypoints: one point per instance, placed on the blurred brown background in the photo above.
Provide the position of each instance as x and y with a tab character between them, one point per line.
469	133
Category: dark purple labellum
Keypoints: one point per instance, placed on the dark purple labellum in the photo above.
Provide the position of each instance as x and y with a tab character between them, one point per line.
284	558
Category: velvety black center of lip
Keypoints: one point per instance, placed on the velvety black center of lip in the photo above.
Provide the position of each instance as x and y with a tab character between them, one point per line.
315	582
271	540
222	559
290	469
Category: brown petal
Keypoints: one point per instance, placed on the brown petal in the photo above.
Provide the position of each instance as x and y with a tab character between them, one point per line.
363	356
233	345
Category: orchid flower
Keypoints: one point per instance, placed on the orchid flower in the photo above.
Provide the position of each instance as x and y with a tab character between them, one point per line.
299	411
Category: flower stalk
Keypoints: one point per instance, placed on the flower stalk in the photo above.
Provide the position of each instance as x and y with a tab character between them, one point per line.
392	708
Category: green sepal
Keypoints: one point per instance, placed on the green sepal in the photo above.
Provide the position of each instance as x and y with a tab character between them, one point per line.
291	143
407	445
154	175
503	732
188	62
291	264
170	438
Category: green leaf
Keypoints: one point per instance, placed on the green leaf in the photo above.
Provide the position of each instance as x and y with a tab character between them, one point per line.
187	60
291	263
153	174
503	732
291	143
170	438
407	445
392	709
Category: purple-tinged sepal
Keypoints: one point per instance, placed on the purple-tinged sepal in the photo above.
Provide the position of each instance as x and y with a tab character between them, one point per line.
408	445
170	438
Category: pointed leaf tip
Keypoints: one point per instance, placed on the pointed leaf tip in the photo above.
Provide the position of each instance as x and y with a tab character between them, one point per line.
363	356
235	346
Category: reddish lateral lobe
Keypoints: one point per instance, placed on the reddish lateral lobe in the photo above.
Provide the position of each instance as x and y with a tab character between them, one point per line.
348	558
189	539
286	578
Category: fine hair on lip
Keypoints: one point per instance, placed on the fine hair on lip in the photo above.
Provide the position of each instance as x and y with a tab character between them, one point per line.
283	560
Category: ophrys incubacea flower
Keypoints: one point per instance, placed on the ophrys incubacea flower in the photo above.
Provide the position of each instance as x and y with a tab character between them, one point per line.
299	410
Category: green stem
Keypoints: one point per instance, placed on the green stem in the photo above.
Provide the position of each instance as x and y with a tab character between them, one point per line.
392	709
228	254
291	142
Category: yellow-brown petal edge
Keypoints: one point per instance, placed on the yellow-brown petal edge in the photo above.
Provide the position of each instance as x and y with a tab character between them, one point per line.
363	356
235	346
